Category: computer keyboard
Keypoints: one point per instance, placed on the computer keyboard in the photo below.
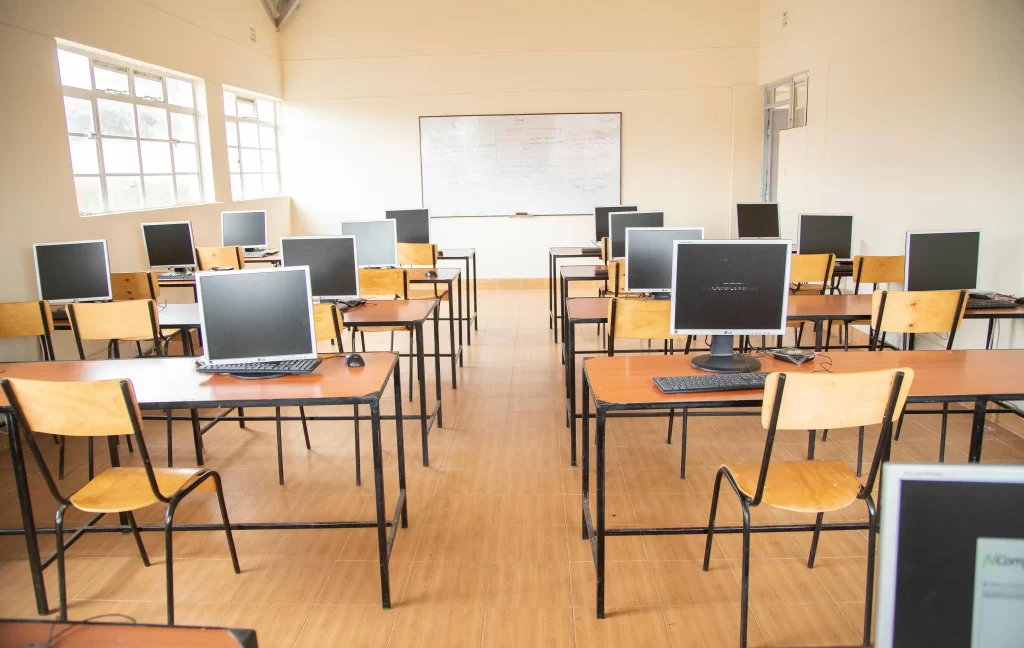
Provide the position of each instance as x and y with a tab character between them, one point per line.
590	250
991	303
601	274
711	382
177	276
60	314
258	254
258	368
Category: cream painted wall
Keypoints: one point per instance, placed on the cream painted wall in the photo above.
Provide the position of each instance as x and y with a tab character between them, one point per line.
683	73
914	123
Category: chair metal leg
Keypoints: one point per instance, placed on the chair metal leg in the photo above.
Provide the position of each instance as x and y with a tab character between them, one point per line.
412	352
362	338
711	518
62	587
870	590
811	436
170	439
860	450
899	428
227	525
60	460
671	419
814	540
241	417
359	477
129	439
305	430
280	450
745	574
91	466
682	443
138	538
942	433
169	558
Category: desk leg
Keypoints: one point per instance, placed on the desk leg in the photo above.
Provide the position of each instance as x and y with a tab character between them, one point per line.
35	565
599	523
551	290
197	436
378	493
437	362
817	335
421	374
557	283
476	299
977	431
458	286
570	371
469	305
400	443
586	453
451	339
991	328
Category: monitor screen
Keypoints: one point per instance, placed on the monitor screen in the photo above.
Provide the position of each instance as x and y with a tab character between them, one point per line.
169	245
376	241
243	229
942	260
757	220
333	273
951	556
601	219
413	225
826	234
649	256
256	315
619	221
730	287
75	271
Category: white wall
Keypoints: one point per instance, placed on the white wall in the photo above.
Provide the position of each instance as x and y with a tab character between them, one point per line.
357	76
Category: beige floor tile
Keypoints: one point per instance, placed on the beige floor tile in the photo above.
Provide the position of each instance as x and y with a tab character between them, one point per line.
816	624
362	626
708	626
514	627
623	626
275	625
431	625
529	584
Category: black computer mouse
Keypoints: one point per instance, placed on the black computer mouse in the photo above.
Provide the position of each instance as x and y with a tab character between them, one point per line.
1019	300
354	360
430	274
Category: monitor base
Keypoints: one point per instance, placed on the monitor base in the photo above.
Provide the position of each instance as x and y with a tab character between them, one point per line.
257	376
723	360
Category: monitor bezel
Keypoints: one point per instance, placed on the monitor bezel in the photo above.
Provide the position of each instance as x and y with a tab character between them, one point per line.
386	217
608	225
778	223
893	476
781	330
205	359
266	238
106	260
611	241
906	254
191	239
355	257
394	240
626	272
800	232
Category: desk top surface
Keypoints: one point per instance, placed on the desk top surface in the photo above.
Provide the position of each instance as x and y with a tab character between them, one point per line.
587	308
418	275
18	633
582	271
389	311
456	253
571	251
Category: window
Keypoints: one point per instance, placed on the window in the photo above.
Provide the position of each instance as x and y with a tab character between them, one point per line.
785	107
131	133
252	145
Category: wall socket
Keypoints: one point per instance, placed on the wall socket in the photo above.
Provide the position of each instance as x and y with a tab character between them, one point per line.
785	18
252	33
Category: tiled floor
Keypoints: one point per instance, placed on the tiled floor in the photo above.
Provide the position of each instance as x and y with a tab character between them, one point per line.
493	554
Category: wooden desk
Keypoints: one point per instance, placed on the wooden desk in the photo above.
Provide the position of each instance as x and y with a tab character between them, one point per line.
626	384
569	274
165	383
467	256
554	254
17	633
448	277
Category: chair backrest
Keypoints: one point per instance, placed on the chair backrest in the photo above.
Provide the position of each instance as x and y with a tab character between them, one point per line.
605	255
383	282
135	285
617	277
812	269
417	254
639	319
878	269
220	257
125	320
327	322
23	319
918	311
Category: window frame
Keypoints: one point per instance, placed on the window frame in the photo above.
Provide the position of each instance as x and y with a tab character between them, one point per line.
244	95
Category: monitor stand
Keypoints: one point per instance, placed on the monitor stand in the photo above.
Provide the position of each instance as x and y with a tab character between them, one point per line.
661	296
723	360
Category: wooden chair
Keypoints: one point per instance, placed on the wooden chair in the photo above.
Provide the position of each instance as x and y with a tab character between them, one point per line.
812	401
29	319
417	254
809	274
873	270
106	408
209	258
128	286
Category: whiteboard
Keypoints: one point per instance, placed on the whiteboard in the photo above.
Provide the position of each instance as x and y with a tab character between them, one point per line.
497	165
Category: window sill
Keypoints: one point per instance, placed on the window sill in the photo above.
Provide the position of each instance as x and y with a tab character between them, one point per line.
182	206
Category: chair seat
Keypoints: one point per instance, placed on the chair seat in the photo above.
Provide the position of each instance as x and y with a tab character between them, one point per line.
802	486
117	490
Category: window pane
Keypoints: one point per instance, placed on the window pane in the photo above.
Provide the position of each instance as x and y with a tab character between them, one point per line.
249	134
270	184
267	138
83	155
179	92
120	156
251	160
110	80
148	87
116	118
188	189
152	122
269	161
780	93
183	127
234	165
124	193
74	70
159	190
252	185
79	115
156	158
90	195
185	158
265	110
232	133
229	104
246	108
236	186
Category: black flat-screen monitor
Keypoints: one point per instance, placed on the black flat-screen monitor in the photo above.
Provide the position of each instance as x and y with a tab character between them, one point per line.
333	268
73	271
413	225
376	241
256	315
243	229
757	220
943	260
619	221
649	256
601	219
826	234
169	245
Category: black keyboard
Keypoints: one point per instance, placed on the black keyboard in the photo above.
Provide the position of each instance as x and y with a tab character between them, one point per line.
601	274
260	368
258	254
590	250
991	303
61	314
177	276
711	382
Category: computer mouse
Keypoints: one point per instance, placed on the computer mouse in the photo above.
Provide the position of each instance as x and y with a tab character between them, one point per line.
1019	300
354	360
430	274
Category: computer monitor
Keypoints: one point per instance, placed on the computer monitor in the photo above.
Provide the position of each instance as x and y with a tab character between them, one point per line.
333	270
413	225
169	245
826	234
649	256
246	229
256	315
73	271
951	556
376	241
727	288
757	220
942	260
619	221
601	219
